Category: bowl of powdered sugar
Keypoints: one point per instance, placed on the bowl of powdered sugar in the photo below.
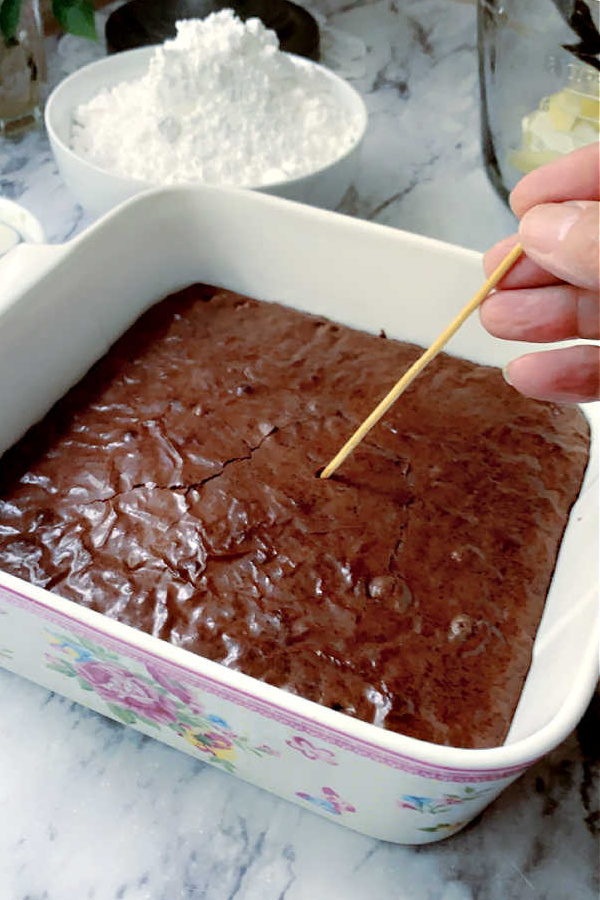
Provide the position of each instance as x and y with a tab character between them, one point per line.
218	104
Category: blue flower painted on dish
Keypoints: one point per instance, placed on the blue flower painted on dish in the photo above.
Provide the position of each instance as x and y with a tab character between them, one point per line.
217	720
435	805
72	649
409	801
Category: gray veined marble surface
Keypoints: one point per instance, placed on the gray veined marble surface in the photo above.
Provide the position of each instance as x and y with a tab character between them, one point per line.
89	809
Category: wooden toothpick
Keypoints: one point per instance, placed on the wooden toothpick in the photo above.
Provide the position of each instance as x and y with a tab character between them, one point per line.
409	376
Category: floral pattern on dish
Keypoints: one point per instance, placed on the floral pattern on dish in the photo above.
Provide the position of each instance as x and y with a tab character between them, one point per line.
329	801
436	805
307	749
150	698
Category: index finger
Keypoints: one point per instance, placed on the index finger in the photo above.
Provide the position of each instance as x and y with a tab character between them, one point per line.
524	273
575	176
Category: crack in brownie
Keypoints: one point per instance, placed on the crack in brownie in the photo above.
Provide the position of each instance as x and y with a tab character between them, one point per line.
174	489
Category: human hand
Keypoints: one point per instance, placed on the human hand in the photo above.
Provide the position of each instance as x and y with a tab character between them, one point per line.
552	293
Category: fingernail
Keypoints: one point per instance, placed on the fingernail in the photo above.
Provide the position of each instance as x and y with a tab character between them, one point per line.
506	374
545	226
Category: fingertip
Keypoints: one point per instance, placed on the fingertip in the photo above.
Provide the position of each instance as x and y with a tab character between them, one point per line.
573	176
567	375
514	201
506	374
563	238
522	196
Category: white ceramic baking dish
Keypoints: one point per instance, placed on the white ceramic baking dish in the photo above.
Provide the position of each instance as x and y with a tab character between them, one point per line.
61	308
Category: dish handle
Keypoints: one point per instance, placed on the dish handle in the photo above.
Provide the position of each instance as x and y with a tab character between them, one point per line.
22	266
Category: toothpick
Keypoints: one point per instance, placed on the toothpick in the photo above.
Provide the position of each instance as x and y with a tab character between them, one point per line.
409	376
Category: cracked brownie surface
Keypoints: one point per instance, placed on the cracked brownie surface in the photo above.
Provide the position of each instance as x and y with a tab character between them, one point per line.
175	489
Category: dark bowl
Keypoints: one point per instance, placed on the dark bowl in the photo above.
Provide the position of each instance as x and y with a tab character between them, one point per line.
142	22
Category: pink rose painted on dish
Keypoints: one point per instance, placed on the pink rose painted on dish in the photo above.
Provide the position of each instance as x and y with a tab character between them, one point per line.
304	746
150	697
117	685
174	687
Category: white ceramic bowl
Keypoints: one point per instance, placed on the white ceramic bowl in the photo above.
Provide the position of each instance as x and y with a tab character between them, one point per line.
98	190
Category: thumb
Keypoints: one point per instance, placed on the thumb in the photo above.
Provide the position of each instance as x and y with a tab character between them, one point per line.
564	238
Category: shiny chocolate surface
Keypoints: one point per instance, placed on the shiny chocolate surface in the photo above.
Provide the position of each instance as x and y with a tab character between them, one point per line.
175	489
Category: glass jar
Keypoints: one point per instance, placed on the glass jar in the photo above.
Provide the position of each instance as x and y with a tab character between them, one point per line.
22	72
539	83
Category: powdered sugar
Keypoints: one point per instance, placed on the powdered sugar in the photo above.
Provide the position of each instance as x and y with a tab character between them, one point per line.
220	103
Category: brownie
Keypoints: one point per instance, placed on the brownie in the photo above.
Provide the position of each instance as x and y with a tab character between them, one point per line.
176	489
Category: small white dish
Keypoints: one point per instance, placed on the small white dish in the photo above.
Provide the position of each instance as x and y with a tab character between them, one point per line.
17	225
98	190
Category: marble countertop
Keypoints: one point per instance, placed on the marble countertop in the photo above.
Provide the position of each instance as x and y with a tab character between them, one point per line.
91	809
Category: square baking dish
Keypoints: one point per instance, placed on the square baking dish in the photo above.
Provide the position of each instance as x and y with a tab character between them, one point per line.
60	310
